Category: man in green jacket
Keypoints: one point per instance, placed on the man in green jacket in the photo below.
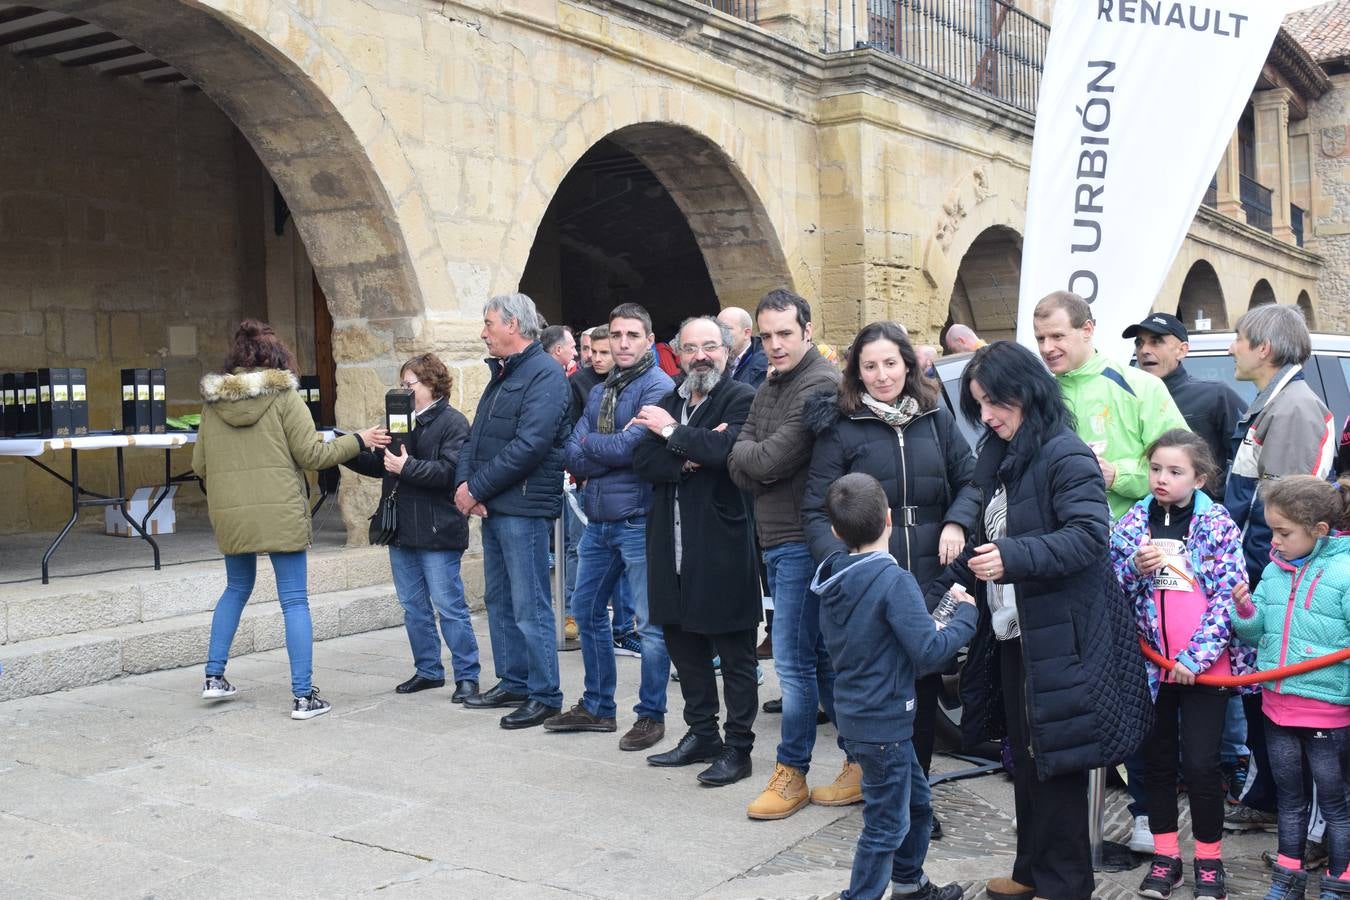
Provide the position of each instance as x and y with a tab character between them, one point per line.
1120	410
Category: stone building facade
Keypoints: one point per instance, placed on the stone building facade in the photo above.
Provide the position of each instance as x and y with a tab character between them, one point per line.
392	163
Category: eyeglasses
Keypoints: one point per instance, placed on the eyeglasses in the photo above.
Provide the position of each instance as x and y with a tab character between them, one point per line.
409	384
709	348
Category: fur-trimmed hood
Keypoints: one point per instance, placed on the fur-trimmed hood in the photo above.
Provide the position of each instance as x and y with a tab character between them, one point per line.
242	396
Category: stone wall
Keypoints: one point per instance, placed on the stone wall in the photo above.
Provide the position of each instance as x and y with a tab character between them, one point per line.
1330	216
134	231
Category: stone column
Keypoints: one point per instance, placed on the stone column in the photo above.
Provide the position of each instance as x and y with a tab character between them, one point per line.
1272	155
1228	195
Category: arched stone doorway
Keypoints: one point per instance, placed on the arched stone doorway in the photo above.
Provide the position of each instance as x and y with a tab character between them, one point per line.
1262	294
255	155
1305	304
984	295
658	214
333	194
1202	299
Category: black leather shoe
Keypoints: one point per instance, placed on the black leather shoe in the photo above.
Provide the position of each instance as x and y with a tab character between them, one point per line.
691	749
936	833
773	706
731	766
531	714
464	690
494	698
418	683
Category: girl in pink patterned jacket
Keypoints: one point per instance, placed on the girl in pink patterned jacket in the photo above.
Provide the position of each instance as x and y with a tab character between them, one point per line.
1179	556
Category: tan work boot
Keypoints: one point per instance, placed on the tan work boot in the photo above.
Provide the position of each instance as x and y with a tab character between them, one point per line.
570	632
845	790
1007	889
785	794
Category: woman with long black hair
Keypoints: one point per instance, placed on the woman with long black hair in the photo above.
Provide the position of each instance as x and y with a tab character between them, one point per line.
1054	665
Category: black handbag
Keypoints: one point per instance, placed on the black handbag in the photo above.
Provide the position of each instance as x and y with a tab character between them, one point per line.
384	523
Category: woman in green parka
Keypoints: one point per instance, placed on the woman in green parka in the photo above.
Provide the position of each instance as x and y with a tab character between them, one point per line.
255	442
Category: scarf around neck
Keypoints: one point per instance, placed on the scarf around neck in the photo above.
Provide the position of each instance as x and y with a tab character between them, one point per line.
898	415
616	381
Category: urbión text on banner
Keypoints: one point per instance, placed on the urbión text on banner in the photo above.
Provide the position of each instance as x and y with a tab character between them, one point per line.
1138	101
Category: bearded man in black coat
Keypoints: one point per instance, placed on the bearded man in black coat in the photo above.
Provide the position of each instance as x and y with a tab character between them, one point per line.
702	578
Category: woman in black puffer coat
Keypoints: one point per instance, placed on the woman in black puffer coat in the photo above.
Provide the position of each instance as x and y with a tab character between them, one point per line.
432	535
887	422
1054	665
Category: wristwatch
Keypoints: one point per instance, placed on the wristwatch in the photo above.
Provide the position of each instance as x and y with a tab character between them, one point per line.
668	431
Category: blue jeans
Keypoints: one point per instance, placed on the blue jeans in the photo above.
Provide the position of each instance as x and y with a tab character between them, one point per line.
428	585
1234	744
897	819
622	606
292	591
610	551
1327	753
572	530
520	607
799	655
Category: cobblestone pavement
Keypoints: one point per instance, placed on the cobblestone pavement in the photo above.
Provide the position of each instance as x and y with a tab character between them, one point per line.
136	788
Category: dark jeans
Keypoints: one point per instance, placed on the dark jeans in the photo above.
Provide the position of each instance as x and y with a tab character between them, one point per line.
1327	753
897	818
926	691
1053	851
1259	790
1197	736
692	654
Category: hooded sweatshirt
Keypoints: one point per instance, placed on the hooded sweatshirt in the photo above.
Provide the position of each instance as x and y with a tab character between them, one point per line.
880	637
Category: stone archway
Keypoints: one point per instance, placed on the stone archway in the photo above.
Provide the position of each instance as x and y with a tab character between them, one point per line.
337	201
984	292
271	75
1262	294
1202	298
654	173
983	202
1305	304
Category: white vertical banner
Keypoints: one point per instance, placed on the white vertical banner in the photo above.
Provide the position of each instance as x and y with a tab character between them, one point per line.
1138	100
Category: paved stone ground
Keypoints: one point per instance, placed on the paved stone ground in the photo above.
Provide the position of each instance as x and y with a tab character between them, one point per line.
136	788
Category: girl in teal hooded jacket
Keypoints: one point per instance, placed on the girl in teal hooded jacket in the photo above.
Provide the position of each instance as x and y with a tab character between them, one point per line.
1301	611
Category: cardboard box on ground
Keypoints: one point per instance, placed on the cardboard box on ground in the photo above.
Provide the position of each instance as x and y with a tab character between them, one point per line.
164	520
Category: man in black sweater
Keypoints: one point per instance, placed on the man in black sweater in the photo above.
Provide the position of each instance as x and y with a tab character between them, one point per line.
1211	408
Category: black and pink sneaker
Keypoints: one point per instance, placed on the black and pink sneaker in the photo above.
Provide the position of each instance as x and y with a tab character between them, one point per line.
1209	879
1164	876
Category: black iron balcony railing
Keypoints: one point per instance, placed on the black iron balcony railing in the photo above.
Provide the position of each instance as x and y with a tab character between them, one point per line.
1296	223
1255	200
987	45
741	9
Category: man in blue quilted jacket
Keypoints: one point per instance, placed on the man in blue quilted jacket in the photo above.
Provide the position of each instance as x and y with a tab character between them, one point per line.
510	473
615	500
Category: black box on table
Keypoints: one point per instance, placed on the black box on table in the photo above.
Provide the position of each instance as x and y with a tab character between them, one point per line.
135	401
159	400
30	425
79	401
54	401
309	392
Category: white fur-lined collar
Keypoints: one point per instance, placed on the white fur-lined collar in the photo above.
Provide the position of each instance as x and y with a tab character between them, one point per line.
243	385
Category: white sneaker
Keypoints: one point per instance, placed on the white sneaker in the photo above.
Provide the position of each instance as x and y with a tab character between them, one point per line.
1141	839
309	707
217	688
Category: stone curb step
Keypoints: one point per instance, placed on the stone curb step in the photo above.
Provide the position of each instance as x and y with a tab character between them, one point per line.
43	665
91	603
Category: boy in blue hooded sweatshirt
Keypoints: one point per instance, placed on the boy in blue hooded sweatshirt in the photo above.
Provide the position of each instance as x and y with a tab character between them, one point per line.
881	637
